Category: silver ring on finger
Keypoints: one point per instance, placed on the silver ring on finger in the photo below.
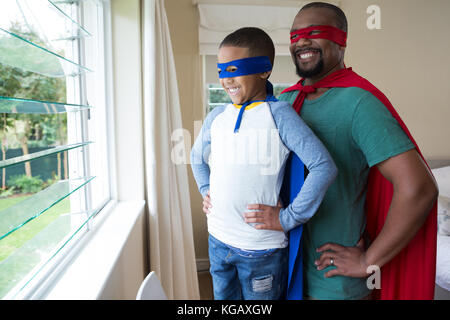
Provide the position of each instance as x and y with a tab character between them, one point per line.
331	261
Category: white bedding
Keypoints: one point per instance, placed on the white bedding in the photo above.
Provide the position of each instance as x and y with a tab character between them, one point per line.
442	176
443	262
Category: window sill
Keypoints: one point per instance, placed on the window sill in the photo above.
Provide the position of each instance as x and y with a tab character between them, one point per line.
85	271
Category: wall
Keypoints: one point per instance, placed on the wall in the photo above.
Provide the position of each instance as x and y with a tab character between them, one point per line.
129	269
406	59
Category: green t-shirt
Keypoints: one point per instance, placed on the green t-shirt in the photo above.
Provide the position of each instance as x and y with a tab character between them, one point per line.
359	132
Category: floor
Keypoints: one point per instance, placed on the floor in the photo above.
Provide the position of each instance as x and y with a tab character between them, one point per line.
205	285
206	293
441	294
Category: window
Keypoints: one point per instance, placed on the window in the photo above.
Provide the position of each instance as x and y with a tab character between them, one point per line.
53	131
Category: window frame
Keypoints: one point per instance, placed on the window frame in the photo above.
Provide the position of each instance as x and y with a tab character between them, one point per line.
52	267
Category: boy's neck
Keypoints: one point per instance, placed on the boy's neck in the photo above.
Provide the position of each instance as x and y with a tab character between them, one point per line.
258	97
261	95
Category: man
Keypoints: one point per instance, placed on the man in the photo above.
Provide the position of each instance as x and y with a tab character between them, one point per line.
362	134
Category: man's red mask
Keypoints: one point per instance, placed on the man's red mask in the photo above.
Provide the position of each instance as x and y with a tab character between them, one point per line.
320	32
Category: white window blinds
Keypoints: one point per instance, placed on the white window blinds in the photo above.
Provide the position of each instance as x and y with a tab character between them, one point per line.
46	179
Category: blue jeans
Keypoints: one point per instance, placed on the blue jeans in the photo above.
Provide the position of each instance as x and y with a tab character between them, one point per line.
247	275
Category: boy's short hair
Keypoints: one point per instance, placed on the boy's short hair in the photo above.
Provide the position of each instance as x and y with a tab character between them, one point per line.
256	40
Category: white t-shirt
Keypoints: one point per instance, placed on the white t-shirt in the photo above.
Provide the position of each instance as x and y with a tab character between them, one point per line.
247	167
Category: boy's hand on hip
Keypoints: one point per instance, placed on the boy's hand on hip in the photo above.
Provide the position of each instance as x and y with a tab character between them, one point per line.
206	203
266	217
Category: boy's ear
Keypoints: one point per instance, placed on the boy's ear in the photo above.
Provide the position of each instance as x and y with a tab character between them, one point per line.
265	75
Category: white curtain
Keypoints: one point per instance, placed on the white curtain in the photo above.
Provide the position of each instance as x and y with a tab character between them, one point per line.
171	239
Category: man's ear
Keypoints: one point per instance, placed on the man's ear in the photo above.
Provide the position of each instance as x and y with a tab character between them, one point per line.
265	75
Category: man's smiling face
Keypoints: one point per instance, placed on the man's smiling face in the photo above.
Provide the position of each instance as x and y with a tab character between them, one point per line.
314	58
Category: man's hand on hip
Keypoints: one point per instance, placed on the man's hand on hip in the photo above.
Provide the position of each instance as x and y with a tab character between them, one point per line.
266	217
349	261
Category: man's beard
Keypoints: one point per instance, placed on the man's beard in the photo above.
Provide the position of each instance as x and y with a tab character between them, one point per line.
318	68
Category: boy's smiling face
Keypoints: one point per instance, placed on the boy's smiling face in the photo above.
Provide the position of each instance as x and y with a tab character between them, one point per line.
242	88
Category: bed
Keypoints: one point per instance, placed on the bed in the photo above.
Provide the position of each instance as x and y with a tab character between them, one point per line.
441	171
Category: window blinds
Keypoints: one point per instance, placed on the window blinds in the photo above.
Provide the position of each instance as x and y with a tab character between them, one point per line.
41	113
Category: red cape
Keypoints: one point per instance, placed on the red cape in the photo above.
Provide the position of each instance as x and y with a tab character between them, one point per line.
411	273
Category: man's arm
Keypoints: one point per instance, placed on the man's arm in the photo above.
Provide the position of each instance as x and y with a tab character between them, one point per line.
415	192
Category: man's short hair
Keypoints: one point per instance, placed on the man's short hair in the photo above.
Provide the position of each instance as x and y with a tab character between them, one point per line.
256	40
341	19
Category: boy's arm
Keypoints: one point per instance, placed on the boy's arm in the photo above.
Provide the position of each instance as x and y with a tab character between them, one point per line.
200	152
300	139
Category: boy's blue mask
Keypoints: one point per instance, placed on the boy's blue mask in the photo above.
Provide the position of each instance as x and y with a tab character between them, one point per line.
243	67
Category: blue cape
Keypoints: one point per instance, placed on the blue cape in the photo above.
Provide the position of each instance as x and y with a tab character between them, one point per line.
293	181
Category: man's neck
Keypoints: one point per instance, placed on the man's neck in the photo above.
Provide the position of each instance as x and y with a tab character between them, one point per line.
313	80
320	91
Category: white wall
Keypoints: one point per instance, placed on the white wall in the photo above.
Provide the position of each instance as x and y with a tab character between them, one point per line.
128	271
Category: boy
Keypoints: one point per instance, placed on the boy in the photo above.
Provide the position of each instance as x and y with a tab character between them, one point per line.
248	143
